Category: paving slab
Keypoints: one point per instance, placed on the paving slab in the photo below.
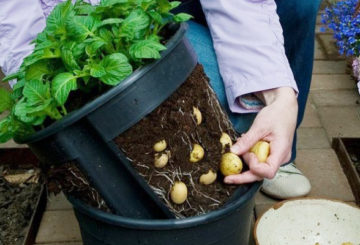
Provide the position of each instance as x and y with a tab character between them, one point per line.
329	67
321	82
62	243
58	226
318	29
311	117
312	138
58	202
349	97
263	203
340	121
329	44
319	52
324	171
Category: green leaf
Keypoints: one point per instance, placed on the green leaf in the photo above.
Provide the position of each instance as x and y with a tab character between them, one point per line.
18	89
57	19
97	70
37	70
175	4
146	49
164	6
94	46
36	92
5	130
107	3
61	86
116	67
13	76
110	21
182	17
22	111
68	59
80	27
5	100
135	24
156	16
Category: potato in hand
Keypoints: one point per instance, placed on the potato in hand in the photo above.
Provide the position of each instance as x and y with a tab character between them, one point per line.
262	150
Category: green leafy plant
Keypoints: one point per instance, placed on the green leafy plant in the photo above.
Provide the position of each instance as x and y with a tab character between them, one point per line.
83	48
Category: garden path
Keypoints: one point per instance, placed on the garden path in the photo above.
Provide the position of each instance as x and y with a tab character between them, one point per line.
333	110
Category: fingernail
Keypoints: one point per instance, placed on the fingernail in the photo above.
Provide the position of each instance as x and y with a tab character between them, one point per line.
235	149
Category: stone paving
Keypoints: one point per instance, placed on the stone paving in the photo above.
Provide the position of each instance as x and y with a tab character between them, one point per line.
333	110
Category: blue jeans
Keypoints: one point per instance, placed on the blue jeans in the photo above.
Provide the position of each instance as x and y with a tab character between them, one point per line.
298	18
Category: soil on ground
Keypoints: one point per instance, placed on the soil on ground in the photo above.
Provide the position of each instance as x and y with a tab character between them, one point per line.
17	204
174	122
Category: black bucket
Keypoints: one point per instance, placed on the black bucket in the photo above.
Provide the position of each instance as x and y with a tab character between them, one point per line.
229	225
84	136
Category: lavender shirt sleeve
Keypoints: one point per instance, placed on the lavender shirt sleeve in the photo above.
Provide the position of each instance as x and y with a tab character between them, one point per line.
249	46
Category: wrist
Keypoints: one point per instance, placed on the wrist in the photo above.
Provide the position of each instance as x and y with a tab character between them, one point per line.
268	97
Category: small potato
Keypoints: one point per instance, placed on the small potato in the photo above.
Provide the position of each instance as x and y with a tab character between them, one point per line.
197	153
161	159
160	146
208	178
225	140
197	114
179	192
261	150
230	164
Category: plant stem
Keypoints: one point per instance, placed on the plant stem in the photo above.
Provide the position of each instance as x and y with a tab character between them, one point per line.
64	110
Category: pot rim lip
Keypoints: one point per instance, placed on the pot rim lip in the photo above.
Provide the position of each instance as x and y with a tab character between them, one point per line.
281	203
165	224
91	106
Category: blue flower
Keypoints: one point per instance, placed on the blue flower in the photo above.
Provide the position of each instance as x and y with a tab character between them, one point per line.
342	19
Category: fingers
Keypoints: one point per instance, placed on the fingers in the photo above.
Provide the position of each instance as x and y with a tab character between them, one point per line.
244	178
247	140
263	170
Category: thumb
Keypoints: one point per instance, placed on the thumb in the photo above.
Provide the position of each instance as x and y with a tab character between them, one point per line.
247	140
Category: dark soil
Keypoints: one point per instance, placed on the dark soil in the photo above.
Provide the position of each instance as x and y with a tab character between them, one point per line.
17	203
353	148
174	122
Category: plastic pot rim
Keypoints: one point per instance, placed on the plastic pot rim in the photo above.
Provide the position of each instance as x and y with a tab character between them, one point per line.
163	224
91	106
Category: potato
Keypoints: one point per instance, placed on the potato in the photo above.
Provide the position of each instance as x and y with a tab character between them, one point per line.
179	192
225	140
197	114
208	178
230	164
197	153
261	150
161	159
160	146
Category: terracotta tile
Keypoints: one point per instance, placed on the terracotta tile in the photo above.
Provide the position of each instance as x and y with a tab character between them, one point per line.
329	67
58	226
336	97
340	121
311	117
331	82
312	138
58	202
323	169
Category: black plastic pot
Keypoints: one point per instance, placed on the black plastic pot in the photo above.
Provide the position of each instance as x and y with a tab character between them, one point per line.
85	136
229	225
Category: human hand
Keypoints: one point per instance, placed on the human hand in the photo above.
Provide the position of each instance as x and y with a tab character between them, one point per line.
276	124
